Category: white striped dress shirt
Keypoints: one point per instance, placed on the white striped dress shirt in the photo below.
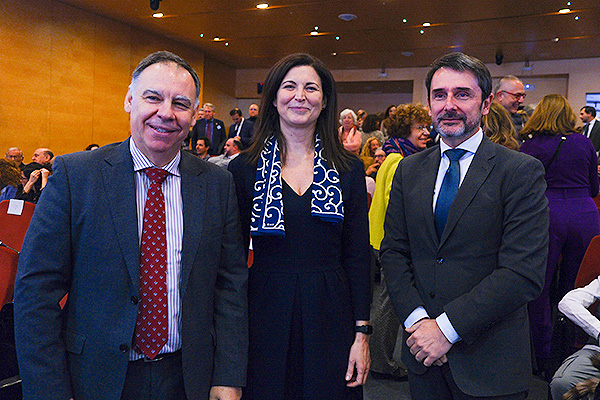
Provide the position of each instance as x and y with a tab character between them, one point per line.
171	188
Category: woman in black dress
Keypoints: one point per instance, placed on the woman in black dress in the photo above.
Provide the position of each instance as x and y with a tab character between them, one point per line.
302	198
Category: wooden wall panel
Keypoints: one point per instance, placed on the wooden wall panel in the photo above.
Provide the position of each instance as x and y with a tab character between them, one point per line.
65	74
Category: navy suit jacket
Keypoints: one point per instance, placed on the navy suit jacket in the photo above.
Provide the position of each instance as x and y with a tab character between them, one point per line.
245	133
487	265
83	240
219	136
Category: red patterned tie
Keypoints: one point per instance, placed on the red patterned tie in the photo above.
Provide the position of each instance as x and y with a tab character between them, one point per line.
152	326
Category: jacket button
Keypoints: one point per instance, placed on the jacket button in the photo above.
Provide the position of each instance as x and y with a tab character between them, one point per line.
134	299
432	295
124	348
440	260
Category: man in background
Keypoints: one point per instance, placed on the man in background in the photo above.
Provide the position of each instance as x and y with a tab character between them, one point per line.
212	128
510	92
591	126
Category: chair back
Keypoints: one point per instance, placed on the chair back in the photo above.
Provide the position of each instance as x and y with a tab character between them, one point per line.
12	233
590	264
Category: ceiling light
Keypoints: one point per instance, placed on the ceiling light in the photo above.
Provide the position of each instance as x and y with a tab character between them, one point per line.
564	11
316	28
404	20
314	33
158	15
407	53
426	24
555	39
421	31
334	54
226	43
337	38
262	6
347	17
568	3
202	35
577	18
216	39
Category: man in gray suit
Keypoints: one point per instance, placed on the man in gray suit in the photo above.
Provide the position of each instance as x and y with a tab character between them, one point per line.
90	238
461	264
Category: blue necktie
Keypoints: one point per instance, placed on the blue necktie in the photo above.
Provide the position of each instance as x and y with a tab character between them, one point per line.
449	189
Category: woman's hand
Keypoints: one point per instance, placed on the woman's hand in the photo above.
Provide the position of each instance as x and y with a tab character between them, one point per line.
45	173
359	361
33	177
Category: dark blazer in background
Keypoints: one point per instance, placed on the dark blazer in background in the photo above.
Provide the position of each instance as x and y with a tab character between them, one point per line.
487	265
83	240
595	135
219	136
245	133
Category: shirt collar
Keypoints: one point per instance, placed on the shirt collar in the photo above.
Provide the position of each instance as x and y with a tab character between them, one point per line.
141	162
471	144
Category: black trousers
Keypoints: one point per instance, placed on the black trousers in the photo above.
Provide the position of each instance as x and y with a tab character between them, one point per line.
155	380
438	384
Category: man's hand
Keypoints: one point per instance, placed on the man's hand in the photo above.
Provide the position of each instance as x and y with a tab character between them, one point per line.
427	342
225	393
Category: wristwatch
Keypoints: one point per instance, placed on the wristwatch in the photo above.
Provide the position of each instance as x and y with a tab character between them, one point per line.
366	329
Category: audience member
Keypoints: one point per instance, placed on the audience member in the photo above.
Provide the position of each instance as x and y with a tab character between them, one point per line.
349	134
92	146
231	151
252	113
378	159
498	126
33	180
578	367
408	135
591	125
370	128
212	128
15	155
202	146
157	306
10	179
510	93
572	182
241	128
43	156
368	151
360	116
466	236
389	110
408	130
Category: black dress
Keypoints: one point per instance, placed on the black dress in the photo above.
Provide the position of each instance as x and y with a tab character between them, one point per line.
305	292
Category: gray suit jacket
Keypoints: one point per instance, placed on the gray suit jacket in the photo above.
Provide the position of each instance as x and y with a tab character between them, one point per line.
487	265
83	240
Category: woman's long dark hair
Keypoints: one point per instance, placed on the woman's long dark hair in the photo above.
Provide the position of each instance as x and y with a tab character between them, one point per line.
267	123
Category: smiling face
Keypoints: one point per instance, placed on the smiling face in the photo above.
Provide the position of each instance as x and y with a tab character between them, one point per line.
253	110
161	108
511	95
455	105
419	134
347	121
299	99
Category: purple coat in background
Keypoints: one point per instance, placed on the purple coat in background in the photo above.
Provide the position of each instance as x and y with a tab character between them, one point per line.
572	180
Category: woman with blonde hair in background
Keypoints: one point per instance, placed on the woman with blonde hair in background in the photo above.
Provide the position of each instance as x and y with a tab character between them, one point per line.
368	151
498	126
571	175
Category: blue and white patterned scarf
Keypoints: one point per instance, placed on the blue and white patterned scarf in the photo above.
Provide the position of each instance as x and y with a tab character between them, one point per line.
267	206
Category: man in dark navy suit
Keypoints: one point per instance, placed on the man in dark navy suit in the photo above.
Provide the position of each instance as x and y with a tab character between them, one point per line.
241	128
212	128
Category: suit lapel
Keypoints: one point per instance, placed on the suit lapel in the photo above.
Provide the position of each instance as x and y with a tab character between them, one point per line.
480	168
119	187
429	168
193	191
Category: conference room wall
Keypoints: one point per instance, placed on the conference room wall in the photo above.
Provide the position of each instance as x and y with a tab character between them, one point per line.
65	72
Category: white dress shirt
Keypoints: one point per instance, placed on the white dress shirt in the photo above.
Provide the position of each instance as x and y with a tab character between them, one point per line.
575	307
171	188
470	145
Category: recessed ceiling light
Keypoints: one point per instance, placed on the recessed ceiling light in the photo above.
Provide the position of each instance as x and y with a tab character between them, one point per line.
337	38
262	6
421	31
226	43
577	18
202	35
316	28
555	39
426	24
216	39
564	11
158	15
347	17
568	3
314	33
334	54
404	20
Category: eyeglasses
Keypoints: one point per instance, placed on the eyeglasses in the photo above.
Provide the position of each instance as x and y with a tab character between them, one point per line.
379	156
516	95
17	157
